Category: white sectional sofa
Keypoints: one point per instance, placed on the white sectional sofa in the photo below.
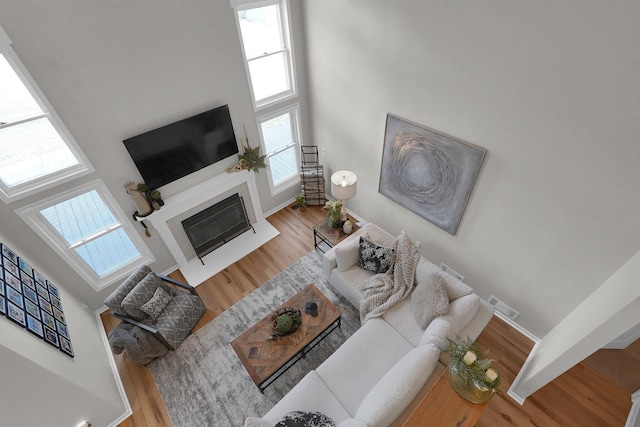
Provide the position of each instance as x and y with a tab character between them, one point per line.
377	372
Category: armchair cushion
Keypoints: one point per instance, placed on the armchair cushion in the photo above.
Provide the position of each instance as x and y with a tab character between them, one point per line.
114	301
140	294
179	317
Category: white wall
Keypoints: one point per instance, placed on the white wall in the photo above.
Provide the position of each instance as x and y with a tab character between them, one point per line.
551	90
43	386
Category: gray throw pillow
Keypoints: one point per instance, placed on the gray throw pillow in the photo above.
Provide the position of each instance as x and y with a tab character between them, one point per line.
377	259
142	293
157	303
429	300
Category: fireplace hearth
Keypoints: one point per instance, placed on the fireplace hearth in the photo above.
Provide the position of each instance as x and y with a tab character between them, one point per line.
213	227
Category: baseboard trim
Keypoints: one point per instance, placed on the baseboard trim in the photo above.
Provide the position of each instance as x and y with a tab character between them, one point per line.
517	327
632	419
123	394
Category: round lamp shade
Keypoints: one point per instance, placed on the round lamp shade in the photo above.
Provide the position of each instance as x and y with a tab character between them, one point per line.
343	185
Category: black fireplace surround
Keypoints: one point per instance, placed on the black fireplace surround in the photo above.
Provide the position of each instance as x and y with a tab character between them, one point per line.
213	227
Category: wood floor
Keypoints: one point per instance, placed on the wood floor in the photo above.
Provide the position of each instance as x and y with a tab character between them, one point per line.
581	397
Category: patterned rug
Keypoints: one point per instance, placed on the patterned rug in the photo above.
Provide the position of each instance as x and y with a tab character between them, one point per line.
203	383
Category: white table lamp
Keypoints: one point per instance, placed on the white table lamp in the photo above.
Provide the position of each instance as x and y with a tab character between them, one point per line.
343	188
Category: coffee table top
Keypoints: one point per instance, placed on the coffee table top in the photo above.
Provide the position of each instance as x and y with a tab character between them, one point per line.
263	357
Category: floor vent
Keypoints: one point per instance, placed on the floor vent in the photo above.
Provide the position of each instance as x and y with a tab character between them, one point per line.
503	308
452	272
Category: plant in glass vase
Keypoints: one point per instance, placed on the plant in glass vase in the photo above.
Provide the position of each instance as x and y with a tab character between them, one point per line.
471	373
334	214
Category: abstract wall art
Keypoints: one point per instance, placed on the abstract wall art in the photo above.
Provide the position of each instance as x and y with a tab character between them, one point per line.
428	172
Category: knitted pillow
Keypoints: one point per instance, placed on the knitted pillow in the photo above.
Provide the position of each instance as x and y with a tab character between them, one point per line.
429	300
377	259
157	303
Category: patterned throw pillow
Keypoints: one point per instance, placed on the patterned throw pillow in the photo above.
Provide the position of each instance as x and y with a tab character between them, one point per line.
377	259
157	303
429	300
305	419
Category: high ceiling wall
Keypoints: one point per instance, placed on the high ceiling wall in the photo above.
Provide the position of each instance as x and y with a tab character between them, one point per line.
551	90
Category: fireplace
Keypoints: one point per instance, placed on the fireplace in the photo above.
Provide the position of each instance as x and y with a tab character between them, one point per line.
168	224
213	227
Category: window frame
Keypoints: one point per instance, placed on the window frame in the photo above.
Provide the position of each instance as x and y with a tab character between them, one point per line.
32	216
36	185
294	112
287	41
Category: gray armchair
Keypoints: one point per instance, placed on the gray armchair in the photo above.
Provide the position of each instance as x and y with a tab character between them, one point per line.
164	307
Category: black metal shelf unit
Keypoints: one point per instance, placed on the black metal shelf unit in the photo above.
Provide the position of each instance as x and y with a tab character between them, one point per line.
311	176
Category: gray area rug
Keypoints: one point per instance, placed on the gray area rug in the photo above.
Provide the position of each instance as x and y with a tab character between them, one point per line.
203	382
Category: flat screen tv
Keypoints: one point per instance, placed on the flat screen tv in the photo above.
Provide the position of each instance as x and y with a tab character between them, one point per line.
173	151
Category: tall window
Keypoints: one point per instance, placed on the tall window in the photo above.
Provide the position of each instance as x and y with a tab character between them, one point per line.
36	150
280	141
88	229
267	49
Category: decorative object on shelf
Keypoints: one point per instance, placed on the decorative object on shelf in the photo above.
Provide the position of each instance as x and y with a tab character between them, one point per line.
343	188
471	373
334	214
347	226
32	302
143	207
153	197
428	172
250	158
286	321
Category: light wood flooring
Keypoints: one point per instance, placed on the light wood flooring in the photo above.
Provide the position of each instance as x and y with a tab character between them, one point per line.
581	397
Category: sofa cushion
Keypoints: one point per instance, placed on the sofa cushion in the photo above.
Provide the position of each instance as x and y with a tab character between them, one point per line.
114	301
157	303
347	255
359	363
429	300
449	325
401	319
373	257
352	422
310	394
380	237
391	395
305	419
348	283
141	293
426	271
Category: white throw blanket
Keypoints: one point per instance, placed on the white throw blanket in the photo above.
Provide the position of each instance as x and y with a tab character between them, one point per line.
381	291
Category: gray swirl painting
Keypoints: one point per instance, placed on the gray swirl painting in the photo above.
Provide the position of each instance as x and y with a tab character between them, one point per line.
427	172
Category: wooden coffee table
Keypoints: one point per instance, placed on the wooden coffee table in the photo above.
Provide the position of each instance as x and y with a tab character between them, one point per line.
266	359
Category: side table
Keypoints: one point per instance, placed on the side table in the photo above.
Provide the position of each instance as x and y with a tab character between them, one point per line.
325	237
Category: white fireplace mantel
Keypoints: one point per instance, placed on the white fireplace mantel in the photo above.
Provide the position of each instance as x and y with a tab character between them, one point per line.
194	270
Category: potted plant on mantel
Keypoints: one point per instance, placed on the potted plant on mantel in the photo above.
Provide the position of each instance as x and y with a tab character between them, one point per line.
471	373
250	158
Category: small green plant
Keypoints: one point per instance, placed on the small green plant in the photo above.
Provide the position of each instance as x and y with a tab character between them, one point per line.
334	214
251	158
300	201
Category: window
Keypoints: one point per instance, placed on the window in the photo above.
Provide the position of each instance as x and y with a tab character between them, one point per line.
267	50
280	141
89	231
37	150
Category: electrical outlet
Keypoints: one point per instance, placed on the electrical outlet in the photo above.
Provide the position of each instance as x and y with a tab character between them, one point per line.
418	244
